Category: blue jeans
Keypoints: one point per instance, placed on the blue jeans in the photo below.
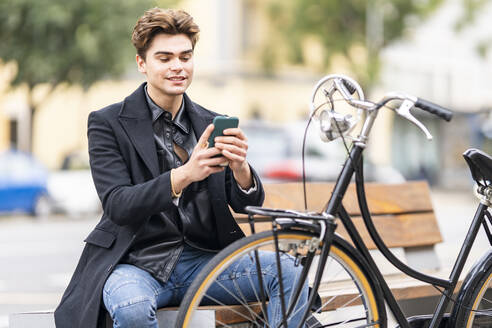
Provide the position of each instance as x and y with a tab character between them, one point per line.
132	296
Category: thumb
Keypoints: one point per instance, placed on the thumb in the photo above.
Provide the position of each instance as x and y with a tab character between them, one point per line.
203	141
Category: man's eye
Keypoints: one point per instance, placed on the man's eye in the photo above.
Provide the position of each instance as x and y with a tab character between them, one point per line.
164	60
185	58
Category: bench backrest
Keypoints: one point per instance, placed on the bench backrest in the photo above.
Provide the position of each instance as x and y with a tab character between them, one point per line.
402	213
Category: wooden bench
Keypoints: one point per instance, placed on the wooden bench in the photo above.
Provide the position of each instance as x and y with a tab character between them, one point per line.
402	213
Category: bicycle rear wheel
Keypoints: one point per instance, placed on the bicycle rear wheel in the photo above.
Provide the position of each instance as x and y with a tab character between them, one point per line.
363	305
474	307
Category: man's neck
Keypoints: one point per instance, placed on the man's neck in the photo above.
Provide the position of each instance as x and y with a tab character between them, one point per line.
170	103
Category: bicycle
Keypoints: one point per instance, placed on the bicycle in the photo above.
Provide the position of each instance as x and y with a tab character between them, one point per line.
310	239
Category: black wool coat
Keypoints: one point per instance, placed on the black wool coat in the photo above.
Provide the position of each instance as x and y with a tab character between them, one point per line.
125	170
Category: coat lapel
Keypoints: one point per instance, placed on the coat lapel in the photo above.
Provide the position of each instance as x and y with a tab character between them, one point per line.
137	122
200	119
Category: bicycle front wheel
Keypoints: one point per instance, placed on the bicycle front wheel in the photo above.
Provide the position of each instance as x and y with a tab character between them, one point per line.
348	296
474	307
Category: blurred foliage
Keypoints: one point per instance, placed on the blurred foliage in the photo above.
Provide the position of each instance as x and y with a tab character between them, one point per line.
472	8
340	28
68	41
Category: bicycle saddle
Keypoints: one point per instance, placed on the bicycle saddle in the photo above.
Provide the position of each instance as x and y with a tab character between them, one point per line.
480	165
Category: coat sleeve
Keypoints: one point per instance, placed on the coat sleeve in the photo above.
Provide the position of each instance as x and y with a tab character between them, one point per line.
124	202
237	198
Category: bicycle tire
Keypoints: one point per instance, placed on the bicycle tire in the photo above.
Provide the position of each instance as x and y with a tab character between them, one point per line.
365	305
473	309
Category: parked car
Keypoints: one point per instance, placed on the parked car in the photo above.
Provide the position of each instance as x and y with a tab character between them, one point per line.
275	151
23	184
72	188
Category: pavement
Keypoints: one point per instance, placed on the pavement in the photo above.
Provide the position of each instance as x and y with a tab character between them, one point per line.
37	258
455	211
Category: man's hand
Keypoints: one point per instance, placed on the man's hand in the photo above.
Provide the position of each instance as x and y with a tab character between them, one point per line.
234	146
201	163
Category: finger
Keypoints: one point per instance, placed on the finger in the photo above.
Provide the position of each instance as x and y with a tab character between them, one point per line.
232	148
203	141
231	141
235	132
209	152
214	161
233	157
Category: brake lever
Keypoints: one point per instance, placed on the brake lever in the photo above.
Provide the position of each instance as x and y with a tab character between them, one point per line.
404	110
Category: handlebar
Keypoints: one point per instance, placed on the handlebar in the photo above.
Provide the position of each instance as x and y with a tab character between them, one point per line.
352	94
435	109
408	102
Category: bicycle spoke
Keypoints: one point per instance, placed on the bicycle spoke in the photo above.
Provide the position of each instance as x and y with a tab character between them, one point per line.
262	306
344	305
340	270
239	291
330	300
237	312
245	304
487	300
352	300
299	309
245	291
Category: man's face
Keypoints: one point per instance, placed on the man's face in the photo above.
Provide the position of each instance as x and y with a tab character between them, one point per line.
168	64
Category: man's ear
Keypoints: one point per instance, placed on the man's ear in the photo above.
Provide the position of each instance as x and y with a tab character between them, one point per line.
141	64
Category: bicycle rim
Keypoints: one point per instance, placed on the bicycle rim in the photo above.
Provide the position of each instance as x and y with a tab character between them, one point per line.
482	305
347	296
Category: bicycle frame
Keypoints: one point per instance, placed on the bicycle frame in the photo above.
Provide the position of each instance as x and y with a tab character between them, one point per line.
335	208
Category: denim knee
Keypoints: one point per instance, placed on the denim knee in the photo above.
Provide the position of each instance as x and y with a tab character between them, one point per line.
291	273
135	313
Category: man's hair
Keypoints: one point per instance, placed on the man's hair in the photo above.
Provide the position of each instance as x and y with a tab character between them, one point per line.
169	21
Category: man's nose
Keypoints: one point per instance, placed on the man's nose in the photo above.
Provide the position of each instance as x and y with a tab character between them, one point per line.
176	65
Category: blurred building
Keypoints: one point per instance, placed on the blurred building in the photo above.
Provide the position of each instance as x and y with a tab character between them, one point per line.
433	62
444	64
228	79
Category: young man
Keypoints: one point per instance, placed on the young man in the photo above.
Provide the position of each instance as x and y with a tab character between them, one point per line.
164	192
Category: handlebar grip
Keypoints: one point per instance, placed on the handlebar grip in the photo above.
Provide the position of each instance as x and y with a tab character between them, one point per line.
350	87
432	108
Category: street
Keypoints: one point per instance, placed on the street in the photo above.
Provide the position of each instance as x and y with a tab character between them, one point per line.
37	258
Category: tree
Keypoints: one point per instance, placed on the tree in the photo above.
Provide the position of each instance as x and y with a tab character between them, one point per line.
472	9
343	28
54	42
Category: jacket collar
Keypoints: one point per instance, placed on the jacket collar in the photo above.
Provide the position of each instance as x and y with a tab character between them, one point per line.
181	120
136	119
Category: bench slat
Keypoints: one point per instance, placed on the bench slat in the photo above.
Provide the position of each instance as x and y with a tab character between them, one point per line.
402	213
406	230
382	198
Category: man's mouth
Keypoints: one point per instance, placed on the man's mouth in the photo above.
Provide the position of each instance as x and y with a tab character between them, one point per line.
176	78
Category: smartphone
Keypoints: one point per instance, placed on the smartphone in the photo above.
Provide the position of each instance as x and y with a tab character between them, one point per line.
220	124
